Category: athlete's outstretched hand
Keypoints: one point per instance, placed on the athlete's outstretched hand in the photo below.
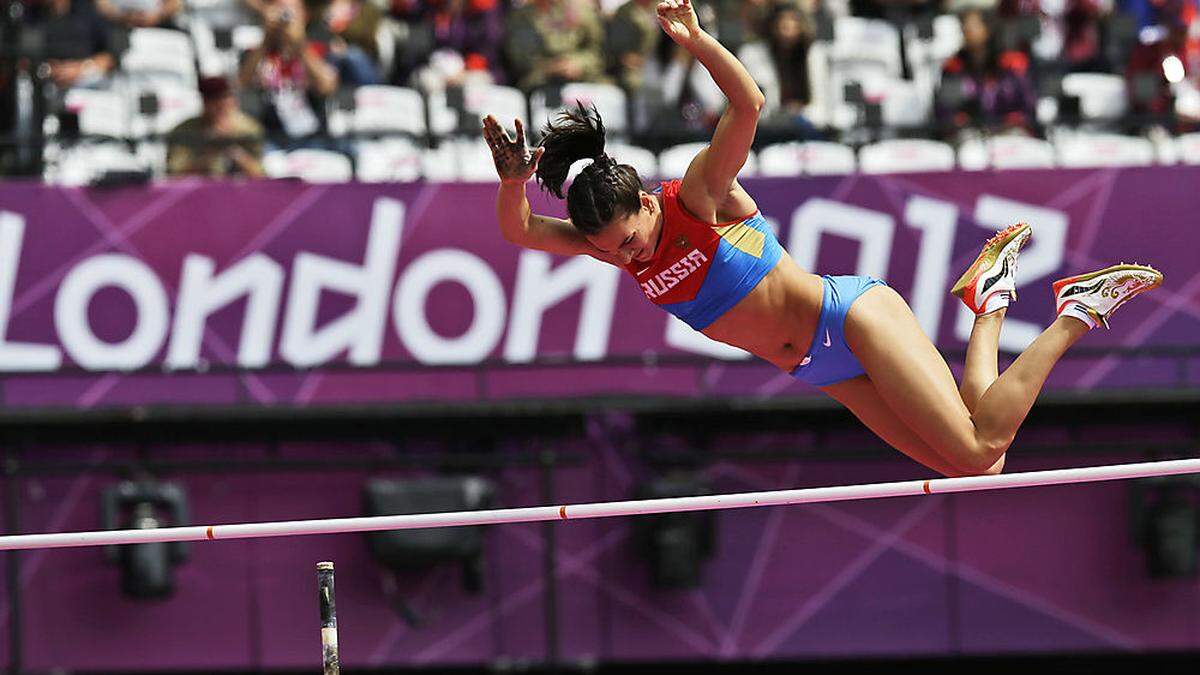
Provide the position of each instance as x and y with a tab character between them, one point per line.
678	19
515	162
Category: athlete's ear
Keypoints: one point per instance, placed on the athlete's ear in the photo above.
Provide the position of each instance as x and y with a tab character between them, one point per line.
648	201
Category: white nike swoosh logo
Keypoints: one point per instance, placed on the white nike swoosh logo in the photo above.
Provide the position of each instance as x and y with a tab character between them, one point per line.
805	361
827	341
643	271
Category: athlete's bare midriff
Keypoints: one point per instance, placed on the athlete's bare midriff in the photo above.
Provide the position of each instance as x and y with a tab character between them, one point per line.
775	321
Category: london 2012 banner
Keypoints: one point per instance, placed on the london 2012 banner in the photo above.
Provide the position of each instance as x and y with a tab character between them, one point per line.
282	292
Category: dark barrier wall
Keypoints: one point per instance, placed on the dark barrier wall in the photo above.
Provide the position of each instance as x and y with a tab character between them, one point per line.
196	276
1047	570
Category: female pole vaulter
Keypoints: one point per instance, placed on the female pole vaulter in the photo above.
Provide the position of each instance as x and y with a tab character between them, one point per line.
699	248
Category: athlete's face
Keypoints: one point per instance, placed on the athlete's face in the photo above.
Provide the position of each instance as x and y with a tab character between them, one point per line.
633	237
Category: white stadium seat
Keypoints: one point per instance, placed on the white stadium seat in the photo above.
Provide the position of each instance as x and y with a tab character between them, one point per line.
479	99
639	158
388	160
383	109
906	155
159	54
1006	152
312	166
609	100
1086	150
82	163
813	158
474	159
673	162
440	164
1189	148
1101	96
102	112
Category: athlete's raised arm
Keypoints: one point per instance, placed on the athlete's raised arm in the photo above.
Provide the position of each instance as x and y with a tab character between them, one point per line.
711	175
516	164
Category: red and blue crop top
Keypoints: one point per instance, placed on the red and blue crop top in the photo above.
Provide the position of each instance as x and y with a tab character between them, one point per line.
700	270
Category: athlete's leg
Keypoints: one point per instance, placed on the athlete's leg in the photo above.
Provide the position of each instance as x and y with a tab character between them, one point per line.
983	349
861	398
915	382
986	288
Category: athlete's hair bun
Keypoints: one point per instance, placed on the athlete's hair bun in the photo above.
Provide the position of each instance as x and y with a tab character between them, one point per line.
574	135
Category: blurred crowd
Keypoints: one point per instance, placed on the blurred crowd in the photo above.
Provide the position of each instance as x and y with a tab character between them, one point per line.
991	63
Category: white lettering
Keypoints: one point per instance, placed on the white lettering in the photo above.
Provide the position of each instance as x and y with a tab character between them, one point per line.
672	276
201	294
487	296
937	220
71	313
872	229
361	329
17	356
538	289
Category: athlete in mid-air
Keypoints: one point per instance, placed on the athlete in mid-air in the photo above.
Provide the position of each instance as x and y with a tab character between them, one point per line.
695	252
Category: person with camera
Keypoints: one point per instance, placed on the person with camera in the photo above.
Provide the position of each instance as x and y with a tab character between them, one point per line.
290	74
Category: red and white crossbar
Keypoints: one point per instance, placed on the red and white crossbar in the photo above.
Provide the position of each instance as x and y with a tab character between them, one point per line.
289	528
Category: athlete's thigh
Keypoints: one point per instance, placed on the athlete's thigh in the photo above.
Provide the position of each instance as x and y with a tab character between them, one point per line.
861	398
909	373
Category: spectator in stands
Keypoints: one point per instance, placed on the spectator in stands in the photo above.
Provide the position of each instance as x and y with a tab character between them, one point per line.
140	13
347	29
222	141
740	22
76	39
789	37
454	42
633	42
780	65
1157	67
984	86
555	41
1083	48
1152	13
289	74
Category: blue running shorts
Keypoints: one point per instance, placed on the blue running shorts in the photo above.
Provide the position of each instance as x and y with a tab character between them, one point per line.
829	360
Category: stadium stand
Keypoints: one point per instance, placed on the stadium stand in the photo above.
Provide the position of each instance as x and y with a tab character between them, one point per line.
846	82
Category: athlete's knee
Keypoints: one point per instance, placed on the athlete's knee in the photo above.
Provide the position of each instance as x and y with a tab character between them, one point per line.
986	458
996	468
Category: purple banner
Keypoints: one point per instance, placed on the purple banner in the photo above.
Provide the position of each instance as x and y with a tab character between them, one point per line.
408	292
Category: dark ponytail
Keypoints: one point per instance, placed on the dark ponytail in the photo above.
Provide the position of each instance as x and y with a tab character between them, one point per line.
604	189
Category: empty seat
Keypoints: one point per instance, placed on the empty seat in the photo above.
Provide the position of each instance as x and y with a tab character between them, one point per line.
874	41
313	166
673	162
1085	150
641	159
1188	146
383	109
608	99
1006	152
475	163
101	112
906	155
159	54
441	163
813	158
388	160
1101	96
478	99
82	163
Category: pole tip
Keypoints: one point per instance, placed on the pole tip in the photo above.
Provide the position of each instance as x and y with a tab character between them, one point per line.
325	566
